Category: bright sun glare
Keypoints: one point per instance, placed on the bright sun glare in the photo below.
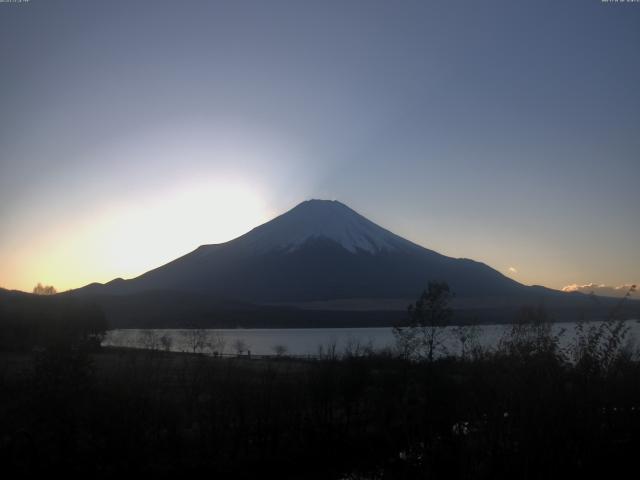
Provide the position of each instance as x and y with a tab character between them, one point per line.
127	239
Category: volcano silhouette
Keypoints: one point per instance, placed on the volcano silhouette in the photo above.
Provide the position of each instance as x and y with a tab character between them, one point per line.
319	256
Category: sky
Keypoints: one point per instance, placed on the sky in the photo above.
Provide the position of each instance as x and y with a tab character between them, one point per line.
504	131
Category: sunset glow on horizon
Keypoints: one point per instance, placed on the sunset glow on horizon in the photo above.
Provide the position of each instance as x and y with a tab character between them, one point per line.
126	239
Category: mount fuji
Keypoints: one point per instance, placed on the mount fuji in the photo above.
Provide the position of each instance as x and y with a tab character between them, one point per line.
320	256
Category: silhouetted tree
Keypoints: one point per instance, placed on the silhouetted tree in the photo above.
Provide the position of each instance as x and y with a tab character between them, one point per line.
423	335
532	335
166	341
40	289
150	340
598	346
196	339
240	346
218	343
280	350
468	336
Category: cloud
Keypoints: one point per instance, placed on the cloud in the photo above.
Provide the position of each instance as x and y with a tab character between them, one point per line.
513	269
600	289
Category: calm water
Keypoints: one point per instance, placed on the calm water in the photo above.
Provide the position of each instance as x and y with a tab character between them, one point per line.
304	341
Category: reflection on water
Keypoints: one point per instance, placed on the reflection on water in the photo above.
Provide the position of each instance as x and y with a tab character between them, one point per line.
305	341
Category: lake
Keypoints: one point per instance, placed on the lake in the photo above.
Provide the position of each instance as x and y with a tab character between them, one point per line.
306	341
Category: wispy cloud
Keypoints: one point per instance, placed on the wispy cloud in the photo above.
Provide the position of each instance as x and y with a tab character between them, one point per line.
513	269
600	289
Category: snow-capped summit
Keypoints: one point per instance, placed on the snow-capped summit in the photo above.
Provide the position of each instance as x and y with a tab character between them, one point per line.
322	220
318	255
318	250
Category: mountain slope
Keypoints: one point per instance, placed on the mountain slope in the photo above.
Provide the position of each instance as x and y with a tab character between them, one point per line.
319	250
319	264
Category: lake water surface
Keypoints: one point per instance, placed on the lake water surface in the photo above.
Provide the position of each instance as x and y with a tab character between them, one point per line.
306	341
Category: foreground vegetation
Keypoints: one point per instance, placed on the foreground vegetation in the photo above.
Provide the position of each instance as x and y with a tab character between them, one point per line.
528	409
520	411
